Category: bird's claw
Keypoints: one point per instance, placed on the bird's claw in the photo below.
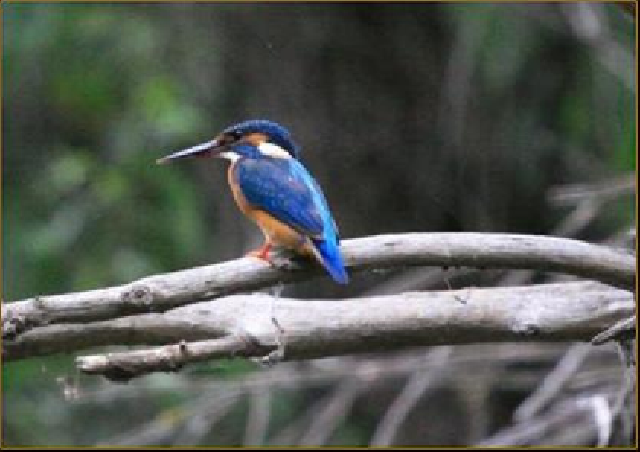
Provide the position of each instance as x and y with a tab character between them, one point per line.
262	253
257	254
280	258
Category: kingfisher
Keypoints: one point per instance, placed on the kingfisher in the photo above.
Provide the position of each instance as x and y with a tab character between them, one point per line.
273	188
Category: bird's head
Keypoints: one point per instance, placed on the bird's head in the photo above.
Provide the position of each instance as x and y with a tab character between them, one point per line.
253	138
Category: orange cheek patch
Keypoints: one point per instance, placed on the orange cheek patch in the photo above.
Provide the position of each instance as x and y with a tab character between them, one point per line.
255	139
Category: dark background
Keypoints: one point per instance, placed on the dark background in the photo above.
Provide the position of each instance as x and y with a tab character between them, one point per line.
412	117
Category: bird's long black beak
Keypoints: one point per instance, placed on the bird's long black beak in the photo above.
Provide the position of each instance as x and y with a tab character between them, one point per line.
208	149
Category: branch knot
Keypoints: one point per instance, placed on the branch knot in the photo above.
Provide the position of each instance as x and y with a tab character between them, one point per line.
139	295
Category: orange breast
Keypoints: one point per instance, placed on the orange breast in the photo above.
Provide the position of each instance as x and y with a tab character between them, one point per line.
275	231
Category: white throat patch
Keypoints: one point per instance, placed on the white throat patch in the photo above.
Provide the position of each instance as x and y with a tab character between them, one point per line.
230	155
273	150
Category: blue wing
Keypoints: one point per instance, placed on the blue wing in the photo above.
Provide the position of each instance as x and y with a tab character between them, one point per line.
286	190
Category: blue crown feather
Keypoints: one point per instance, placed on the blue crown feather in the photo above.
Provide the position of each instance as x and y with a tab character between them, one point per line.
276	133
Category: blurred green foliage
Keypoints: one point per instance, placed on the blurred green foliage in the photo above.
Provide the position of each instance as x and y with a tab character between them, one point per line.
79	169
414	117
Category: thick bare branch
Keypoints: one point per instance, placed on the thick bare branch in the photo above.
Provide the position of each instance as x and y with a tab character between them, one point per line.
318	328
430	318
160	293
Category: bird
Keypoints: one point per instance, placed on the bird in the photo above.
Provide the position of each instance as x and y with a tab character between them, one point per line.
273	188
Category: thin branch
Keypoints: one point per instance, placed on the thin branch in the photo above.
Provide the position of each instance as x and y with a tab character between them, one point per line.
568	195
251	314
553	383
290	434
203	421
257	423
566	417
169	358
160	293
335	408
587	21
203	413
624	329
623	409
411	394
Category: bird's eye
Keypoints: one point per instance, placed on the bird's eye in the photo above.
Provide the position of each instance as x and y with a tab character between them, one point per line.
229	137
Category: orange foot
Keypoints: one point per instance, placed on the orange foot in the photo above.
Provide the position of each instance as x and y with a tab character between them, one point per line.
262	252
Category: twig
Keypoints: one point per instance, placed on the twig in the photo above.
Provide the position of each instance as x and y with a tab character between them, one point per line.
553	383
201	422
160	293
415	388
587	23
199	415
288	435
258	419
623	329
335	409
623	409
602	417
565	417
567	195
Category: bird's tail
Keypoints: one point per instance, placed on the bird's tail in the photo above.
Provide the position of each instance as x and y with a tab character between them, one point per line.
329	255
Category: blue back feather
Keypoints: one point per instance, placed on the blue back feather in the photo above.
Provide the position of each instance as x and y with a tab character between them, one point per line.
285	189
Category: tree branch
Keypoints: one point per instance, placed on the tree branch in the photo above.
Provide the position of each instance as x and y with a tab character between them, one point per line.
169	358
622	330
160	293
319	328
569	195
